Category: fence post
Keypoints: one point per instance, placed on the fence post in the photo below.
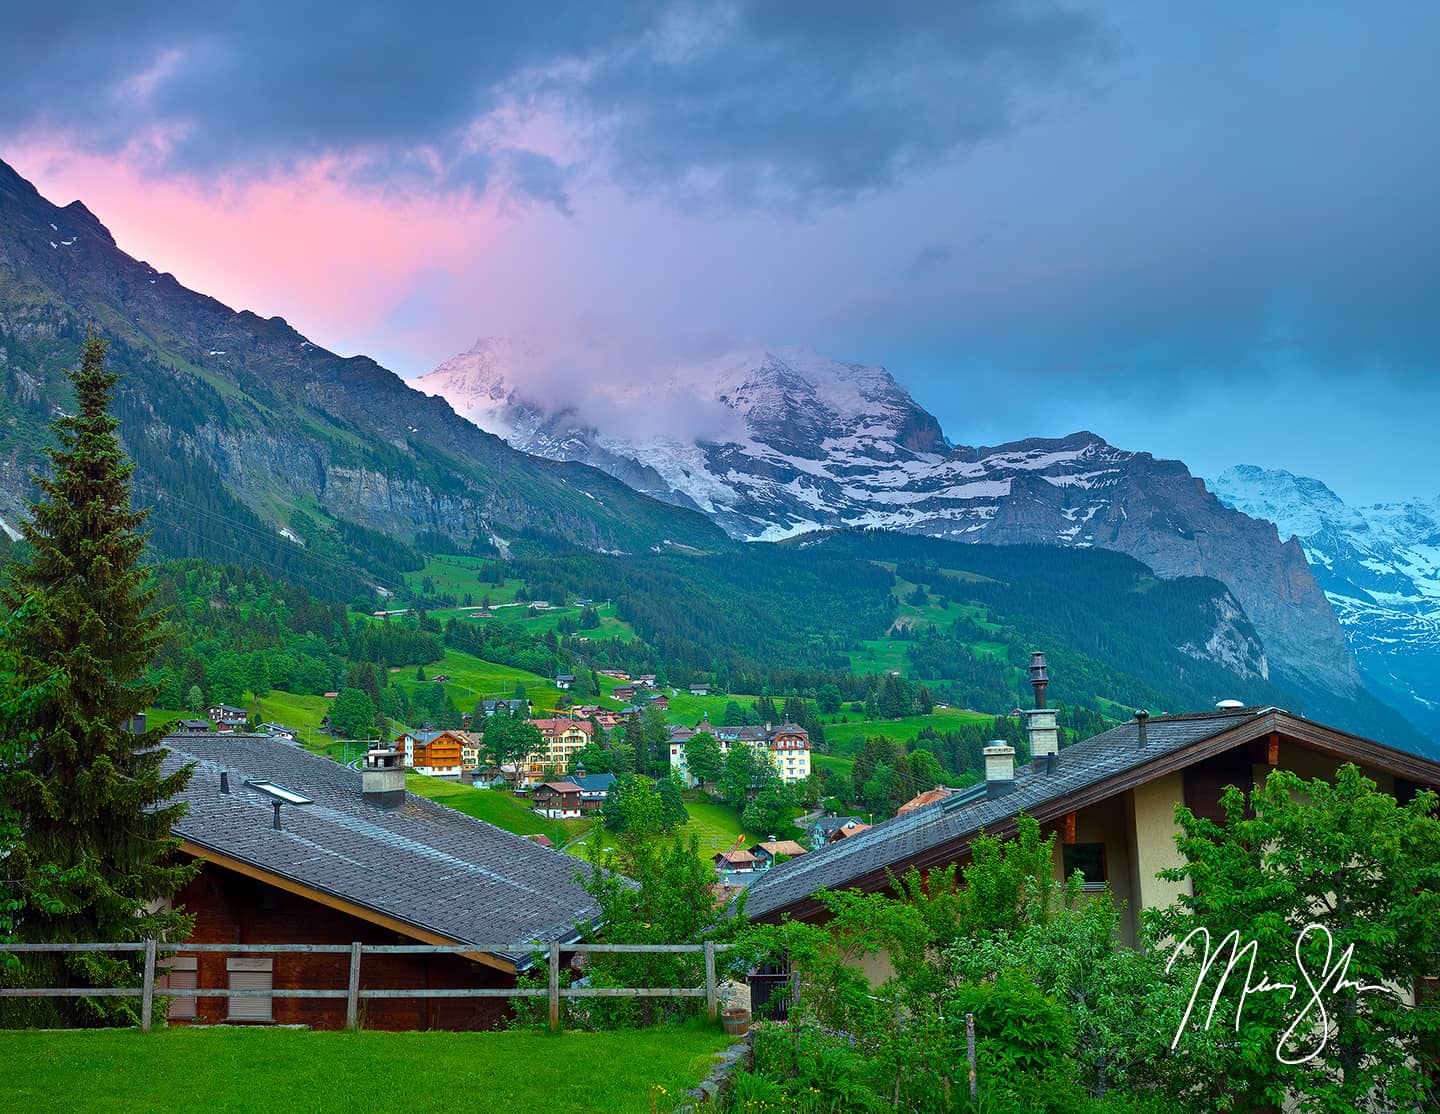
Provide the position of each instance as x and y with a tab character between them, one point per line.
970	1054
147	992
555	987
352	995
710	1003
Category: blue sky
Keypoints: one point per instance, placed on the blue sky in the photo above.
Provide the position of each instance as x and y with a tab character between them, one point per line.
1205	231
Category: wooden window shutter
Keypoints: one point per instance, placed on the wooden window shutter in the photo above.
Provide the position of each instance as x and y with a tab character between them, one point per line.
250	974
184	973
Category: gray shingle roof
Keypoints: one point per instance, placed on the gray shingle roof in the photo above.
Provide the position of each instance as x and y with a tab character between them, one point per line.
424	864
838	865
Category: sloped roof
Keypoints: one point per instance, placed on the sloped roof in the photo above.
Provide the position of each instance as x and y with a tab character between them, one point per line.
929	797
783	847
829	824
594	783
423	864
1085	772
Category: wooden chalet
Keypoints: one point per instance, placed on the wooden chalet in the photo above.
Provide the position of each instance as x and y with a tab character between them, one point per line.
559	800
355	859
437	753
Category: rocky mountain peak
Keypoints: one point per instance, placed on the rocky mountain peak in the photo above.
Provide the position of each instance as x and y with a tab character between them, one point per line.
1379	567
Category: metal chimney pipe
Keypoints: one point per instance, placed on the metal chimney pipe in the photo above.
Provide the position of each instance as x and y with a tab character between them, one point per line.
224	781
1141	717
1039	677
276	824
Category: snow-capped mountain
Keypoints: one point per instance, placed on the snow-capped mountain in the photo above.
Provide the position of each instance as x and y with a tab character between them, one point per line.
778	442
1380	568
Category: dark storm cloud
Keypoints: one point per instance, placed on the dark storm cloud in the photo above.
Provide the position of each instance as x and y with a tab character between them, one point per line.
744	102
800	101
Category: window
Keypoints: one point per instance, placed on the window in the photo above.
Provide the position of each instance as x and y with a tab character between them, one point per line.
1088	859
250	974
183	976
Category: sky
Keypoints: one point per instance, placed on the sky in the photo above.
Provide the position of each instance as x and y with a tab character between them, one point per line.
1204	231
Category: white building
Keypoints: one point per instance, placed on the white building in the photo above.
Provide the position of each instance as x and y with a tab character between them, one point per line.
787	747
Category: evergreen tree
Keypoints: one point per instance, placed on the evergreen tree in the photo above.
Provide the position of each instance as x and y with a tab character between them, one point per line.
96	860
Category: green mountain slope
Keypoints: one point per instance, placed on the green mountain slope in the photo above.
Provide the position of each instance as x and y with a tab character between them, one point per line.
238	423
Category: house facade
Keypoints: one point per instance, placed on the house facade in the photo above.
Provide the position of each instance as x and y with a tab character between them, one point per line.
787	747
562	739
437	753
558	800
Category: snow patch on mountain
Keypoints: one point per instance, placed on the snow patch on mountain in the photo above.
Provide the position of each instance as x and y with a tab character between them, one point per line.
1379	566
776	442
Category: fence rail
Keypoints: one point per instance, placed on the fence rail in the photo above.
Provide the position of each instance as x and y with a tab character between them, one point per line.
354	994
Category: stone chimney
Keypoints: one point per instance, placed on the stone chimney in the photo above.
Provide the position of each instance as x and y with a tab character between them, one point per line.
1040	726
382	778
1044	735
999	769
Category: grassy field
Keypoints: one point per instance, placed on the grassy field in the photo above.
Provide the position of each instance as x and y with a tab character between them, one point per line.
687	709
887	655
473	679
715	824
455	576
303	713
846	738
276	1069
840	766
494	806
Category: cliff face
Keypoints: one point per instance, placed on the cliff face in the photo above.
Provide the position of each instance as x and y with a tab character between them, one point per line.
1158	513
280	422
1378	565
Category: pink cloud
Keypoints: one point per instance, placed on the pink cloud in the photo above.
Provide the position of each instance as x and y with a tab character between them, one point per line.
333	260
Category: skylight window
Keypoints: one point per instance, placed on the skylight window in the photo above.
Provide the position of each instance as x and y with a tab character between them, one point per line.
279	793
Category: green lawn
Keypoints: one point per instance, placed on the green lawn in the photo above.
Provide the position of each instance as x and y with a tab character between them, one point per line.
841	767
887	655
473	679
278	1069
494	806
687	709
715	824
163	717
846	738
303	713
456	575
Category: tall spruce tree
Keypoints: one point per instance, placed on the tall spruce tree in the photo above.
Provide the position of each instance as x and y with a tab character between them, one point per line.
96	860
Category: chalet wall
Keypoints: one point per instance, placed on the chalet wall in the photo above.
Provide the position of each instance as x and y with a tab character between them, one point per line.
233	908
1155	829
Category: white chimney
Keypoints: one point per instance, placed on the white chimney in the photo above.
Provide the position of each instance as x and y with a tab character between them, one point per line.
1044	734
999	769
382	778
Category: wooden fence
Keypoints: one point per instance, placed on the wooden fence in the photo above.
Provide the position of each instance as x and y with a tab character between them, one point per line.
354	995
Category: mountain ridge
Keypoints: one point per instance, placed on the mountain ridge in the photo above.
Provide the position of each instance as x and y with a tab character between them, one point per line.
251	406
1379	566
884	462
